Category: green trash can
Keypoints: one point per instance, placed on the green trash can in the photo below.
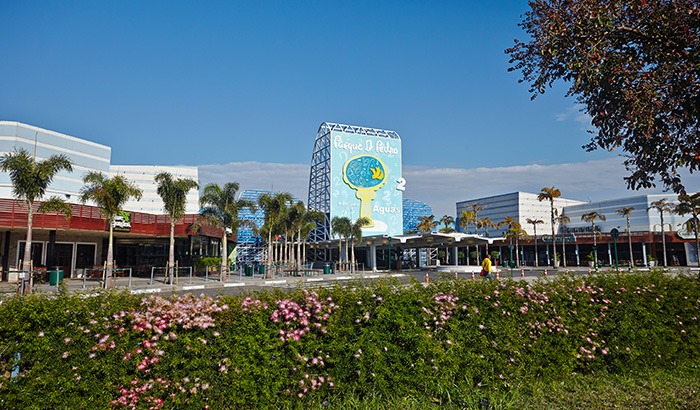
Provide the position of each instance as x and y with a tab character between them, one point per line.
249	270
327	269
55	277
261	269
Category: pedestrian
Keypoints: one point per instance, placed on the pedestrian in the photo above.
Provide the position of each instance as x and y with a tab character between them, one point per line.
486	269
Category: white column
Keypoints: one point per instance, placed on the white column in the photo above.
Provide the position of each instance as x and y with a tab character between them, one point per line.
455	255
373	257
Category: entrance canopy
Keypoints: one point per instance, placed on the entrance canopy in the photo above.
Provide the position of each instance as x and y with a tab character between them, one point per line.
428	240
418	240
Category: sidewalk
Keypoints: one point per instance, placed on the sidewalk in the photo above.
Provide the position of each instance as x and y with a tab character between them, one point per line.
140	285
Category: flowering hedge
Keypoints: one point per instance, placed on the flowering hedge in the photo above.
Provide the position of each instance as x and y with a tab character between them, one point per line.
447	341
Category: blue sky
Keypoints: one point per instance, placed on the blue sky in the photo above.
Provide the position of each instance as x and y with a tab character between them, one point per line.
224	83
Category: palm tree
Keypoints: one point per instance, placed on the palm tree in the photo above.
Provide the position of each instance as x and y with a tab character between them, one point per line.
275	207
662	206
219	208
356	236
591	217
534	223
427	224
340	226
562	220
516	232
626	212
465	220
30	179
312	219
550	194
690	204
110	195
448	221
173	192
486	223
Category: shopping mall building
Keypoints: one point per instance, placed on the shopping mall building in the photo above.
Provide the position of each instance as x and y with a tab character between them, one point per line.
577	235
80	242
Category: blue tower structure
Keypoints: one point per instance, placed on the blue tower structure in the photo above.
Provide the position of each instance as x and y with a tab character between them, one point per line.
250	246
412	210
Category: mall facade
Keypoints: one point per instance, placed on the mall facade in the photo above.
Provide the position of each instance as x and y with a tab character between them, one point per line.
73	245
612	239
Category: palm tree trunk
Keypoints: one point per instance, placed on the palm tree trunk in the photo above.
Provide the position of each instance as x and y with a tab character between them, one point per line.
563	251
224	257
171	253
26	262
536	261
352	257
110	253
629	241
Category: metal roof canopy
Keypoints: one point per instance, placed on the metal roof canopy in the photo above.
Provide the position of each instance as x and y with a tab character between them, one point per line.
418	240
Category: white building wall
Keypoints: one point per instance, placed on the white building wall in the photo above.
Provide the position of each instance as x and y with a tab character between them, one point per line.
519	205
86	156
642	219
143	176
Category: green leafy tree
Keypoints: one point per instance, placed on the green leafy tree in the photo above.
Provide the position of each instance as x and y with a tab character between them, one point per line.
626	212
690	204
590	217
110	195
534	223
662	206
550	194
219	208
173	192
634	66
30	179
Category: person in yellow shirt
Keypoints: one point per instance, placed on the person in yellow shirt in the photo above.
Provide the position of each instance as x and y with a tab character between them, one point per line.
487	268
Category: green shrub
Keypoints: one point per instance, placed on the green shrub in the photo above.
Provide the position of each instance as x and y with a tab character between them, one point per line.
448	343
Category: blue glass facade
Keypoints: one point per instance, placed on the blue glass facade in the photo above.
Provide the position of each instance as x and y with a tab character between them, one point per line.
412	210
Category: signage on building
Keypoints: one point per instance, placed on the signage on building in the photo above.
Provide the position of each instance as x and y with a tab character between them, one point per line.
683	233
569	237
366	181
122	221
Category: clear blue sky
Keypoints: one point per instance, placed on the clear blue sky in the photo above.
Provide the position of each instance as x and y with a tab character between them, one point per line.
213	82
221	84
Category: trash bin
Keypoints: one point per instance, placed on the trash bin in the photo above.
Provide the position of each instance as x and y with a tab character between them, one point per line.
327	269
55	277
261	269
249	270
511	264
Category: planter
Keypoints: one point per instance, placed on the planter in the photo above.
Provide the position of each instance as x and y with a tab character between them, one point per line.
556	264
591	264
652	264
